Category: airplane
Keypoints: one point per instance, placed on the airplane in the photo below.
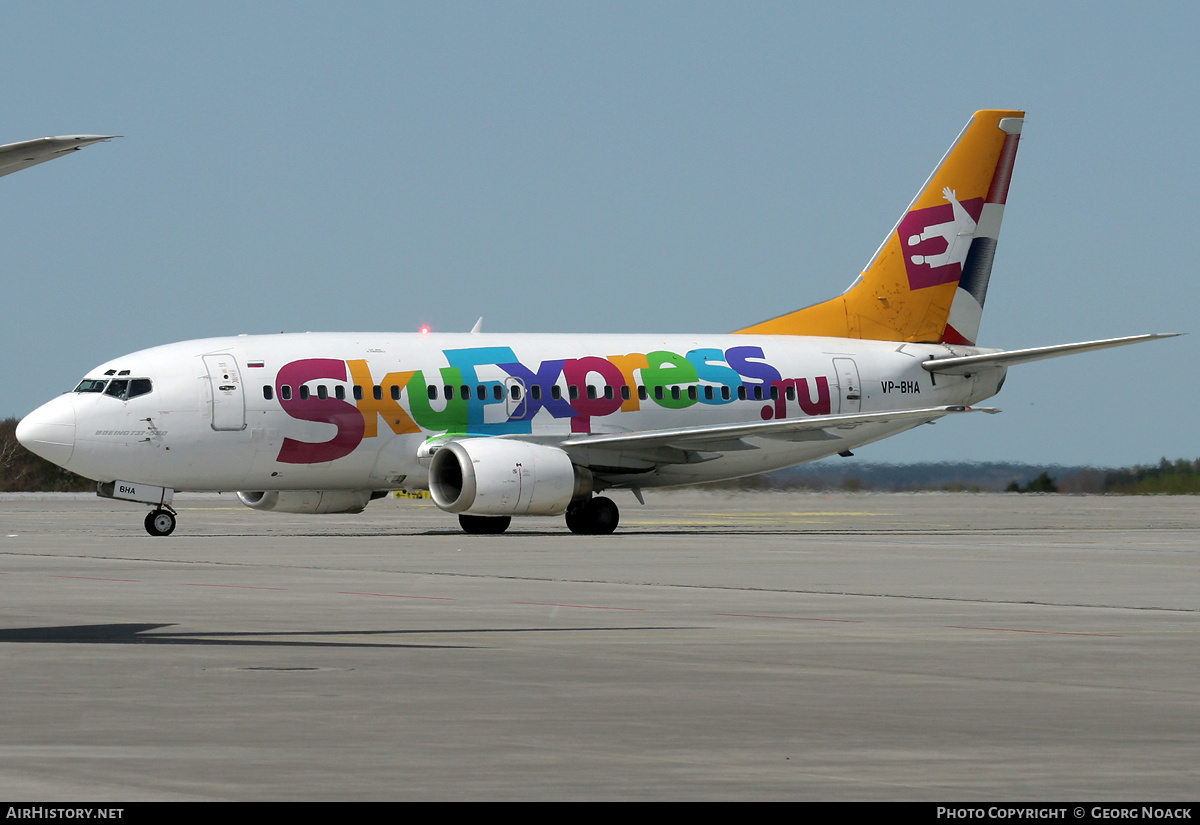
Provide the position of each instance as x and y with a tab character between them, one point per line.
17	156
496	426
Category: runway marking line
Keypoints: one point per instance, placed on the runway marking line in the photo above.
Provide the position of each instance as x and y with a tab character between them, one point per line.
790	618
93	578
1043	632
397	596
581	606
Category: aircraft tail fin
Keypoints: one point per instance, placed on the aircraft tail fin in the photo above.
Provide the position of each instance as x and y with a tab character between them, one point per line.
928	280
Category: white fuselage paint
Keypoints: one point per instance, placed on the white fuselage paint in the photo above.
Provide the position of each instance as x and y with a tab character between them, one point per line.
186	433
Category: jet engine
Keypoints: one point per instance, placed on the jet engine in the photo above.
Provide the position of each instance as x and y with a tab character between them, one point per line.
497	477
311	501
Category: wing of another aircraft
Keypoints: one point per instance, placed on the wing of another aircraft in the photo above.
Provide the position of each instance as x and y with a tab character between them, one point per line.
724	437
17	156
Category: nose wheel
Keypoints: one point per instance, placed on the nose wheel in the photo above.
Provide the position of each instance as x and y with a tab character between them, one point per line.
160	522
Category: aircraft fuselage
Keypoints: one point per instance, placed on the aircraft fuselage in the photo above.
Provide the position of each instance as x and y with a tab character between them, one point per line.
326	411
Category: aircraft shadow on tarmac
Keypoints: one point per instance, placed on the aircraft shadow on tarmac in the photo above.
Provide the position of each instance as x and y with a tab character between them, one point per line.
140	634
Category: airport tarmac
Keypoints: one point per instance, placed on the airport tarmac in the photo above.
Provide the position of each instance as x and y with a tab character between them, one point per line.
938	647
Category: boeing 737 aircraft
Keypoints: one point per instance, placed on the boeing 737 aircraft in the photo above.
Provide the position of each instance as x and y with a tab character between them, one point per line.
496	426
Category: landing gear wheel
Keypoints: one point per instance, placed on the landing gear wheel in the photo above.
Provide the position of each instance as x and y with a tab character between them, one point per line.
577	517
596	517
480	525
160	522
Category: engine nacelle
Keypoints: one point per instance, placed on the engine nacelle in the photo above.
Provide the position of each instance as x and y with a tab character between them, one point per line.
310	501
497	477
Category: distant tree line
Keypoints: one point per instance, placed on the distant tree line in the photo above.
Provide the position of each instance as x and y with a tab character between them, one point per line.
1179	477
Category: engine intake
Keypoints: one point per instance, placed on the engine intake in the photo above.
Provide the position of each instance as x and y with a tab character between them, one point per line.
497	477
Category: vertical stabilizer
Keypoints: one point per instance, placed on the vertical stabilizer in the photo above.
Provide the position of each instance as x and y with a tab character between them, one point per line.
928	280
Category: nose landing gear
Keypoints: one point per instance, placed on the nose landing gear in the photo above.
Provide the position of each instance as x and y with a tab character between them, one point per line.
160	522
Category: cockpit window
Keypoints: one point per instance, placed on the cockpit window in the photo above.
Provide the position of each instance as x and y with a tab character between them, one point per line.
122	388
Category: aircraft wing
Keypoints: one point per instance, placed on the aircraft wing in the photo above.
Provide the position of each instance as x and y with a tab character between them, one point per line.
967	364
725	437
17	156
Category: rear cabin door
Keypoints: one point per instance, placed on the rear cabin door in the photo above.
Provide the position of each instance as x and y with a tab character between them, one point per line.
847	377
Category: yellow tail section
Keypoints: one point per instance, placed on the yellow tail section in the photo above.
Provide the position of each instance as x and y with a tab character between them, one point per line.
928	280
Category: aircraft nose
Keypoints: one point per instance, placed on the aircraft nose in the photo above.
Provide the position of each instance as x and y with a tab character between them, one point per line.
49	431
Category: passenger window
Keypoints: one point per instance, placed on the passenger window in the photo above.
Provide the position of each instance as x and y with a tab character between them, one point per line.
377	392
641	392
674	393
267	394
556	392
658	393
774	393
573	391
395	392
726	394
515	392
433	392
465	392
591	392
625	393
742	395
449	393
285	392
791	392
708	393
536	392
692	393
322	392
498	392
358	392
303	392
480	392
339	392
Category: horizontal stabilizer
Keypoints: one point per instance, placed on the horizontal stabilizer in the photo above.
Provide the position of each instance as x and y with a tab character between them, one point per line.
713	436
967	364
17	156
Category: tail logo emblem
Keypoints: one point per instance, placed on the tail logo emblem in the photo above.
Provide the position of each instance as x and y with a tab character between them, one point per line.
935	241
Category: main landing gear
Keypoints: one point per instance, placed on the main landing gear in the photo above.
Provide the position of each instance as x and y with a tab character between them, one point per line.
593	516
586	517
484	525
160	522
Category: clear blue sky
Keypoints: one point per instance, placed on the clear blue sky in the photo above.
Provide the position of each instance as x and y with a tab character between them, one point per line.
604	167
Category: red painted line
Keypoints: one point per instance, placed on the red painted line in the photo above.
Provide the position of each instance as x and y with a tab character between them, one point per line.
397	596
581	606
791	618
93	578
235	586
1043	632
